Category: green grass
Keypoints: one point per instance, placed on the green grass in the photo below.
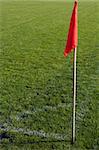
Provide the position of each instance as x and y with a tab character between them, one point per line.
36	76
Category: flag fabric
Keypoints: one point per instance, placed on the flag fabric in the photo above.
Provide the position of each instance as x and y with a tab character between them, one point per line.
72	40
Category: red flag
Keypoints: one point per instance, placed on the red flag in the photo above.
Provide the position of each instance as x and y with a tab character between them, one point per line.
72	40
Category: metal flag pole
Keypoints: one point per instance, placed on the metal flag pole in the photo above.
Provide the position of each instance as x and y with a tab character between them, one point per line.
74	99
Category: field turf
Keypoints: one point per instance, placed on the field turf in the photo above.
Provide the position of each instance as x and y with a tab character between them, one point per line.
36	79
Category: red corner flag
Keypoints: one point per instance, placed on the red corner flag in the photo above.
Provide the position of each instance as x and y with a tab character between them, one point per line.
72	40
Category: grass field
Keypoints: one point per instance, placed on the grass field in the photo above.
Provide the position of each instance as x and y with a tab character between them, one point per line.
36	79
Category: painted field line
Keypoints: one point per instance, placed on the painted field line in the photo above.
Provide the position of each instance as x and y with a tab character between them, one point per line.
79	114
79	117
82	110
50	108
40	133
43	109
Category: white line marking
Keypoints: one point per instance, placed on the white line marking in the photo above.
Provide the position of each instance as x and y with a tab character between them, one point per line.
80	113
79	118
43	109
40	133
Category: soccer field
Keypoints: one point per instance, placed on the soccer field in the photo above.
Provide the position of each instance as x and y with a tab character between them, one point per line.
36	79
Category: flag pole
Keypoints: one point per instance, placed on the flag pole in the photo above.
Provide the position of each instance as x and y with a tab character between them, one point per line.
74	99
72	42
